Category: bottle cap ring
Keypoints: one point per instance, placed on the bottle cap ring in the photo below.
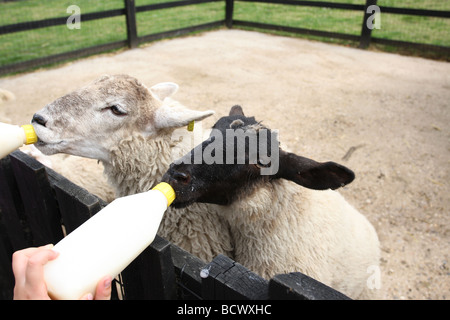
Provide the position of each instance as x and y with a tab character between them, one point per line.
30	134
167	190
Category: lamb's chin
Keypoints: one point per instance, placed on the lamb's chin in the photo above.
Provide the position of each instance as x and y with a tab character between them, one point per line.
49	148
181	204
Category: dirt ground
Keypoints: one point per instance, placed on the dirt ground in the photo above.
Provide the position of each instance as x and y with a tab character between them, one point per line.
383	115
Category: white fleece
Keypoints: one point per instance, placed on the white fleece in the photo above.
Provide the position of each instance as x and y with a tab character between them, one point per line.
280	227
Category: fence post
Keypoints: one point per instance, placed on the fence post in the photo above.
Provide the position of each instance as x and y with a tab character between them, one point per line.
366	32
39	203
130	9
229	6
151	275
12	216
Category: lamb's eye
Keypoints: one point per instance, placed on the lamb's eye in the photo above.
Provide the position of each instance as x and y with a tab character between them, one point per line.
118	111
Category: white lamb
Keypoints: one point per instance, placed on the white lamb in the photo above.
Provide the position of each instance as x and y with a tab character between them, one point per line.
130	129
279	226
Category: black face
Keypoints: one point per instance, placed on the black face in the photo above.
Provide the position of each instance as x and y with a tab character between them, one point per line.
220	184
228	158
221	168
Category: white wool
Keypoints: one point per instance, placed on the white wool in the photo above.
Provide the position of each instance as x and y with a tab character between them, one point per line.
280	227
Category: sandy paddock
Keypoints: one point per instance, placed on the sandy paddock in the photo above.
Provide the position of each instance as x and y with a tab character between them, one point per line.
383	115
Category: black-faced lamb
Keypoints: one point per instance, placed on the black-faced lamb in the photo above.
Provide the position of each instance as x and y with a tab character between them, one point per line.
284	219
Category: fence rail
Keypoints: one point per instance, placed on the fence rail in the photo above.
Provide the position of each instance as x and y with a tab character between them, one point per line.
358	7
38	206
133	40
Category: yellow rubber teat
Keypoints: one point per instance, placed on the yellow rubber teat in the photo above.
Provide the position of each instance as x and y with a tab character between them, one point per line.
191	126
167	190
30	134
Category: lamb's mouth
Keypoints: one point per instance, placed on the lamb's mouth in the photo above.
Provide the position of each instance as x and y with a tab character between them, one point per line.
45	137
42	143
49	148
182	197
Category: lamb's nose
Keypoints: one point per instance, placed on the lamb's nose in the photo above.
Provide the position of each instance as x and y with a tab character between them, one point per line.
180	176
39	119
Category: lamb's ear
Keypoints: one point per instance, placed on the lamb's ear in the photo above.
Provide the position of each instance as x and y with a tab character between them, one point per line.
236	110
164	89
175	115
311	174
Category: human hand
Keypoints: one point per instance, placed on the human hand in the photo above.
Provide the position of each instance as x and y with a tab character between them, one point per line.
28	268
102	292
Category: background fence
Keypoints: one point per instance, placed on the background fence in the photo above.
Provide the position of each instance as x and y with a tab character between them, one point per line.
34	33
39	206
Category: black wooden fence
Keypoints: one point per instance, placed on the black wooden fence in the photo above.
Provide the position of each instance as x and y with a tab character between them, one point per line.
133	40
38	206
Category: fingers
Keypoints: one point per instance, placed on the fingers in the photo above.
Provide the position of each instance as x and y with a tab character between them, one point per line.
87	296
20	259
28	269
35	268
102	292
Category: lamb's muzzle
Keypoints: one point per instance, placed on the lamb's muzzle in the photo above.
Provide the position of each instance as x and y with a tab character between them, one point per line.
38	119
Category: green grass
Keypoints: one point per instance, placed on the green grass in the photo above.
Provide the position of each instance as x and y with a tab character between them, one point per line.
30	10
22	46
434	31
324	19
416	4
27	45
428	30
156	21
